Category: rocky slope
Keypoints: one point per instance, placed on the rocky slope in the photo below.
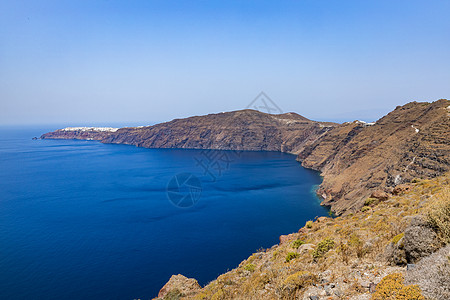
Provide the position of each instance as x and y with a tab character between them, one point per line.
356	159
391	249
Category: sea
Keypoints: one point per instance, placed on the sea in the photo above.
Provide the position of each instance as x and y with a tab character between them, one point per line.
86	220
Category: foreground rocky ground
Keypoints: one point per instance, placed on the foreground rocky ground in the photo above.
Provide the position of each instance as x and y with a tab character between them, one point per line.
397	246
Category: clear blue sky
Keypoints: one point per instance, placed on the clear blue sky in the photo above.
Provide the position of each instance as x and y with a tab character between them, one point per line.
146	61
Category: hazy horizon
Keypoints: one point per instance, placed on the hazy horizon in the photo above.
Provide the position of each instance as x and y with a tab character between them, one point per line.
145	62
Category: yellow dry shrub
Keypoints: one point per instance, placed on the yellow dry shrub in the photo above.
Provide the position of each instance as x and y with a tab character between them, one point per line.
397	238
391	287
300	279
256	281
218	295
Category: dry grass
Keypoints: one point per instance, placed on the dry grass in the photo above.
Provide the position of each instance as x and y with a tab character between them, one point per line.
439	215
355	245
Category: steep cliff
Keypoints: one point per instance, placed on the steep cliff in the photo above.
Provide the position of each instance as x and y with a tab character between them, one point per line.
357	159
237	130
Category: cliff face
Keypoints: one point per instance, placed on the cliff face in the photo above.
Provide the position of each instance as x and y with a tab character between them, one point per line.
238	130
356	159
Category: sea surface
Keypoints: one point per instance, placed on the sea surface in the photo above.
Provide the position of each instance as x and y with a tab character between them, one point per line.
85	220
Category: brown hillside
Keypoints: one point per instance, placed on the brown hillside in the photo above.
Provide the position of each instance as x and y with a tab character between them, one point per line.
357	160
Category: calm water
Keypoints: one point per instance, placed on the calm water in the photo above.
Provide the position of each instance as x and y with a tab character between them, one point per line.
84	220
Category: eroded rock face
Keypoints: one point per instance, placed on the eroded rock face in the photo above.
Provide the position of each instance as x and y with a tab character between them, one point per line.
179	285
237	130
355	160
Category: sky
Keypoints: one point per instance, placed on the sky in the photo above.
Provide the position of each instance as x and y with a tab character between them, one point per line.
146	61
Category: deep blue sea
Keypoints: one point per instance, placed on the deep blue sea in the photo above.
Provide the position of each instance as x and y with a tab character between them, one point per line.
85	220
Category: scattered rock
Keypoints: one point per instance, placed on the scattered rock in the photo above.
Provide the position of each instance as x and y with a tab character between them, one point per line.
400	189
338	293
322	219
305	248
287	238
303	230
380	195
364	284
410	267
372	287
179	284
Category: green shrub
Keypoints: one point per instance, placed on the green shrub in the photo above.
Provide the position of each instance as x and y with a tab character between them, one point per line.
365	208
291	255
309	224
250	267
297	243
323	247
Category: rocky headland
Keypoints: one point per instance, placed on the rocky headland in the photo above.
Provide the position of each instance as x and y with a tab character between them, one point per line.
80	133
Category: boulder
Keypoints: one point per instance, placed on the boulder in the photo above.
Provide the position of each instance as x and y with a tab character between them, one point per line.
380	195
305	248
432	274
395	253
372	288
420	240
180	285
